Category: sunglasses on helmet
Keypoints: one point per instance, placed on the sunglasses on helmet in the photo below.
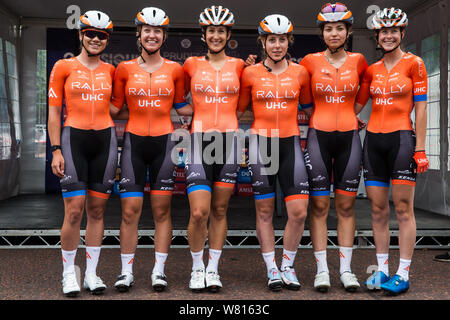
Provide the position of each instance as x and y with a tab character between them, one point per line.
96	33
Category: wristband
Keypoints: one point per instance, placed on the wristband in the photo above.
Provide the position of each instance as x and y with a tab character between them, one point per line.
54	148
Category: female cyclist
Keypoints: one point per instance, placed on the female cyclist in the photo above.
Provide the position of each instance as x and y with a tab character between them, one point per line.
333	147
150	85
85	149
211	167
275	86
393	150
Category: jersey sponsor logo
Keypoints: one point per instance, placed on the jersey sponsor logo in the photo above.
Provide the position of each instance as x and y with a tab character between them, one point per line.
387	90
92	97
86	86
287	94
52	94
216	99
405	178
333	100
257	183
65	178
276	105
149	103
209	89
334	89
147	93
384	101
167	181
420	90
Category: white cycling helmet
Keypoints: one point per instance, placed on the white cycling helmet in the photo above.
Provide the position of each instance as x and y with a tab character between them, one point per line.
275	23
216	16
153	17
389	17
95	19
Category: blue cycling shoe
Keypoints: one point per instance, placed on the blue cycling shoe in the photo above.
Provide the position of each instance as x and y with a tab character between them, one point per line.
395	286
376	279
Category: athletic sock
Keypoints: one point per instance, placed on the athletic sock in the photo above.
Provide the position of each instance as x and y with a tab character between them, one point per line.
345	259
213	262
68	258
288	259
197	260
160	262
269	259
92	255
403	269
127	262
321	259
383	263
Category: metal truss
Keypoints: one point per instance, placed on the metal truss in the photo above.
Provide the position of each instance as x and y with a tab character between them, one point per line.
244	239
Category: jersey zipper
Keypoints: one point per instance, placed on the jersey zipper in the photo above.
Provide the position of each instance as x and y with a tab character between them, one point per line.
278	108
93	97
149	94
217	94
336	95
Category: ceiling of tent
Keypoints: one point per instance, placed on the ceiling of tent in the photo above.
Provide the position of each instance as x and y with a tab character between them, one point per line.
182	13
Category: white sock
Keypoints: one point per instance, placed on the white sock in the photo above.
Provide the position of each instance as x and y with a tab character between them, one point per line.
269	259
213	262
160	262
288	258
197	260
383	263
92	255
127	262
345	259
68	258
321	259
403	269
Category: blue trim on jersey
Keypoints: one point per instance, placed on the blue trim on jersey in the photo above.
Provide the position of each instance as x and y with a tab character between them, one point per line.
199	187
264	196
74	193
180	105
307	106
372	183
131	194
420	97
319	193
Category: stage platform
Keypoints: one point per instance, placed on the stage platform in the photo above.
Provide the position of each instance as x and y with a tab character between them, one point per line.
41	215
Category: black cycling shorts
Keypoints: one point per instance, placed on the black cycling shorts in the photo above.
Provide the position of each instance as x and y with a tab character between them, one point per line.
389	156
336	155
90	158
140	153
272	157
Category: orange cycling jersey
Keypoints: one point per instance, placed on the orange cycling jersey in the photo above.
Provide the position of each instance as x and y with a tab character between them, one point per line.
393	93
149	96
334	91
87	93
275	98
215	93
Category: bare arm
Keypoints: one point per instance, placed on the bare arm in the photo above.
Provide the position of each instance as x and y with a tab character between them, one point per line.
420	108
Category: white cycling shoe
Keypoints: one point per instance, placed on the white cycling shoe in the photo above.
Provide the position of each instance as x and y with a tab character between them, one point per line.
322	281
71	288
349	281
94	284
124	282
213	282
197	282
159	281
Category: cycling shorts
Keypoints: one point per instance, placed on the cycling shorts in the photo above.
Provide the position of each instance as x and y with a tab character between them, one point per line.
272	157
336	155
90	158
140	153
389	156
213	160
